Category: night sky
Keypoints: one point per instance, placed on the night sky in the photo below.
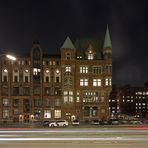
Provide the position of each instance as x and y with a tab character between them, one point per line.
51	21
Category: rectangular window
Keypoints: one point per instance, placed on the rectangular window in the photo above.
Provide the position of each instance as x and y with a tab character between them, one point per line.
97	69
57	80
26	91
96	82
15	111
5	113
83	82
26	105
83	69
37	102
108	81
90	97
4	90
15	78
36	90
15	102
16	91
26	79
57	102
47	91
47	79
68	96
47	103
78	97
47	114
90	56
57	114
5	102
68	69
5	79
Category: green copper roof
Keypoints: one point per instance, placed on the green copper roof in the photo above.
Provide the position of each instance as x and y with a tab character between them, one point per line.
107	40
82	44
68	44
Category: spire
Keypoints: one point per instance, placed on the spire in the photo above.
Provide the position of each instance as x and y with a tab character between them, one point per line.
107	40
68	44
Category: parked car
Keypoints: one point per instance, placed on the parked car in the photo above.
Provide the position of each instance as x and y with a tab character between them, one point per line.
59	123
45	123
135	122
75	123
95	122
114	121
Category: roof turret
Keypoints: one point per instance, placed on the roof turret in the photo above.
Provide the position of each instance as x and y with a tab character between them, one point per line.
107	40
68	44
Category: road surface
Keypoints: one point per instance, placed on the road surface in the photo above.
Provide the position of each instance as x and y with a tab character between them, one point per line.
74	138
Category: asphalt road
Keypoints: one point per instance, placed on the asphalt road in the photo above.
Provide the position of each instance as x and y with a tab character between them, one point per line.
74	138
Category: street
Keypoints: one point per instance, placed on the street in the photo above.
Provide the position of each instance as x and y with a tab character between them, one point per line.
73	137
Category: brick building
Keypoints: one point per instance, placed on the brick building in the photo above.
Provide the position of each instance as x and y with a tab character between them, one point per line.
73	85
129	100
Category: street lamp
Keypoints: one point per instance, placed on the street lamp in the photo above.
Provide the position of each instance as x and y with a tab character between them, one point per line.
11	57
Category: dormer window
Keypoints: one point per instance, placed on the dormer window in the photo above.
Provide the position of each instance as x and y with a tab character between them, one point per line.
68	56
90	56
90	52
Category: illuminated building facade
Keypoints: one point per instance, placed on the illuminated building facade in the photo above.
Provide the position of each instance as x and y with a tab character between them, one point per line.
73	85
129	100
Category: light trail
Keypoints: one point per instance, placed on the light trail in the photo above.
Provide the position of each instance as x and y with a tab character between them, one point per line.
75	139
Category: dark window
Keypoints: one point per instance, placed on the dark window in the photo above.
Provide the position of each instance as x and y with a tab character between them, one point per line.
26	105
47	91
47	102
26	79
57	79
36	90
57	63
15	102
5	79
47	63
57	102
4	90
15	79
37	102
26	91
47	79
15	91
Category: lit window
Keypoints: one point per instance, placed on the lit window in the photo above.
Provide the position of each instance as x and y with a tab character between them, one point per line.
108	82
47	114
96	82
83	82
68	69
68	96
83	69
90	56
57	114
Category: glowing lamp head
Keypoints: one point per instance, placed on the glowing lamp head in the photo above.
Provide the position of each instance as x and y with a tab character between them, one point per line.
11	57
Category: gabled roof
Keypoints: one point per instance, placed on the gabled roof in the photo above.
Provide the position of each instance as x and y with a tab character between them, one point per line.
82	45
68	44
107	40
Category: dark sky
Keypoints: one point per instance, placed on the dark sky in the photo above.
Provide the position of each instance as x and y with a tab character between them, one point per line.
51	21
